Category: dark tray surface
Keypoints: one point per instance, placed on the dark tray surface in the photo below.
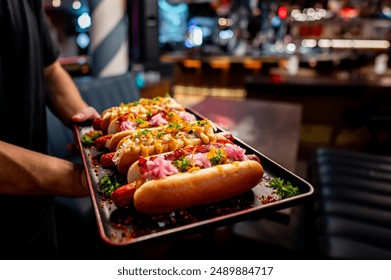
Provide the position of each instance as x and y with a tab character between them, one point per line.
127	226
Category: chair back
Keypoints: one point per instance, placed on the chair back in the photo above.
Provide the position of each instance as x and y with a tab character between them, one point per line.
352	207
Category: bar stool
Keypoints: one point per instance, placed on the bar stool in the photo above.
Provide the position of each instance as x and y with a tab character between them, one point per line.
352	210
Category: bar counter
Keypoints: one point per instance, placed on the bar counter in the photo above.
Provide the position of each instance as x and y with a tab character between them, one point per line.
273	128
333	98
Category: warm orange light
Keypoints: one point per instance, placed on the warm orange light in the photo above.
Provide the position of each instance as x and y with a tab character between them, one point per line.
192	63
220	63
283	63
252	64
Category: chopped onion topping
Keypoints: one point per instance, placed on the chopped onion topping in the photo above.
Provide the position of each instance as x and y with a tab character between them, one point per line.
200	160
235	153
159	168
157	120
127	125
186	116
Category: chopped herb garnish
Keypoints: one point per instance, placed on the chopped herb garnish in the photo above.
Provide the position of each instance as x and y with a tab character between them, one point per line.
175	125
160	134
283	189
202	122
108	184
142	133
90	138
182	163
140	120
215	160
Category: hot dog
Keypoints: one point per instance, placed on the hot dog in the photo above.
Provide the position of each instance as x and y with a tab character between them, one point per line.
140	109
132	121
174	136
124	126
156	121
192	176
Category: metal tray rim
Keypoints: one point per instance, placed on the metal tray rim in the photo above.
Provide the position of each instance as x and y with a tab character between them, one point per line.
239	215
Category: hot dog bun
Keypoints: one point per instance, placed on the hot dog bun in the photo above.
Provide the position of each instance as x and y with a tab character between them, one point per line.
129	155
106	120
201	187
116	138
132	154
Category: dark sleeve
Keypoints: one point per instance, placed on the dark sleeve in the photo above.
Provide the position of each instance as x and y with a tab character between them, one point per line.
50	48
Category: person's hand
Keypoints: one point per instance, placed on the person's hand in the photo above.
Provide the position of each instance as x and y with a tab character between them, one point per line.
88	113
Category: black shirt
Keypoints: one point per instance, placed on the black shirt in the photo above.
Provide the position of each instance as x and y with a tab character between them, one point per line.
26	48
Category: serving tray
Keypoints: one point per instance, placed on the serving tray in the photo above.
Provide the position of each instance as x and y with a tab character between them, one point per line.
121	227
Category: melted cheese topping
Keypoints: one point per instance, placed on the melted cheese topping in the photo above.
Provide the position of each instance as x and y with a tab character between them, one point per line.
158	146
144	150
175	136
194	168
173	144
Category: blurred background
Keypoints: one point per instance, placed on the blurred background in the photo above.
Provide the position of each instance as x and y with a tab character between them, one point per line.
315	31
320	54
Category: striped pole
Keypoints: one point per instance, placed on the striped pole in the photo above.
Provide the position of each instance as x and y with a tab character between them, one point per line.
109	38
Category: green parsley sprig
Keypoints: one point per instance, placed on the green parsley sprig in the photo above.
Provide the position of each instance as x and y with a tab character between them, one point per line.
110	183
88	139
284	190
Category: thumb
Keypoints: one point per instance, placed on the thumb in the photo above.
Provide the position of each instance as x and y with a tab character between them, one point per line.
85	114
78	117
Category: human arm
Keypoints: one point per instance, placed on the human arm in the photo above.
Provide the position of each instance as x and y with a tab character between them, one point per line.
64	97
25	172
